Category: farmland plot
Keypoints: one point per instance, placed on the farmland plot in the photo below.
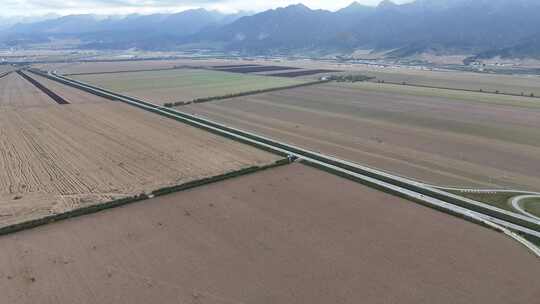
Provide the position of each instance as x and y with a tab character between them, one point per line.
105	67
303	73
58	158
474	97
134	65
70	94
16	91
6	68
292	234
257	69
183	84
513	84
437	140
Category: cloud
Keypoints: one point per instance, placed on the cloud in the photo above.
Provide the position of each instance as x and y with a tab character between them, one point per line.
109	7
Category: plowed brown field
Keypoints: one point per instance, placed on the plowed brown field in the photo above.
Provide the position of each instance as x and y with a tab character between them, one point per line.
434	139
105	67
57	158
287	235
70	94
183	84
514	84
16	91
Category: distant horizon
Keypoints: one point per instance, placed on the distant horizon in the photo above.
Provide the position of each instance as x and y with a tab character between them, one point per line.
37	8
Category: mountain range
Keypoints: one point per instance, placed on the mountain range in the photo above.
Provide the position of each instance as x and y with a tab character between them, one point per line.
482	28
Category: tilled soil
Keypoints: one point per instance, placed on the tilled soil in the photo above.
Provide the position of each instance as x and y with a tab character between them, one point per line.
70	94
181	85
15	91
105	67
441	141
513	84
292	234
59	158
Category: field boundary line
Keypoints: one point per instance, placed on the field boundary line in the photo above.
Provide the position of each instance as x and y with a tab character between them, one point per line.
242	94
44	89
137	198
5	74
256	69
122	71
404	83
303	72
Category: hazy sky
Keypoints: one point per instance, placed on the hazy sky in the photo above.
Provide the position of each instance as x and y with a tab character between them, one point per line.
65	7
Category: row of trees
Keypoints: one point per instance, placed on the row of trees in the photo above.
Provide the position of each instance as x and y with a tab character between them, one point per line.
349	78
232	95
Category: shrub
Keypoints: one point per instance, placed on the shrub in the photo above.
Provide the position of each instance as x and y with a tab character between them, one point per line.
350	78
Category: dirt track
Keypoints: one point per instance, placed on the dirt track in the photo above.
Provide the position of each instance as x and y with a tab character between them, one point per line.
57	158
441	141
288	235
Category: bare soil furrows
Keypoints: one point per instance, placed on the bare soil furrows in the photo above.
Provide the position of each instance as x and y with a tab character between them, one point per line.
72	95
228	66
256	69
513	84
303	73
4	74
184	85
15	91
288	235
75	155
104	67
437	140
5	68
44	89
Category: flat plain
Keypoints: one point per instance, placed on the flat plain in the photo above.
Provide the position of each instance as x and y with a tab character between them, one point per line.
440	140
105	67
70	94
16	91
291	234
514	84
61	157
183	84
5	68
464	96
133	65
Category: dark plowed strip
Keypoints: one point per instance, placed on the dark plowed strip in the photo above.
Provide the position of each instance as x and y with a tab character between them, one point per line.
121	71
38	85
230	66
4	75
256	69
303	73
